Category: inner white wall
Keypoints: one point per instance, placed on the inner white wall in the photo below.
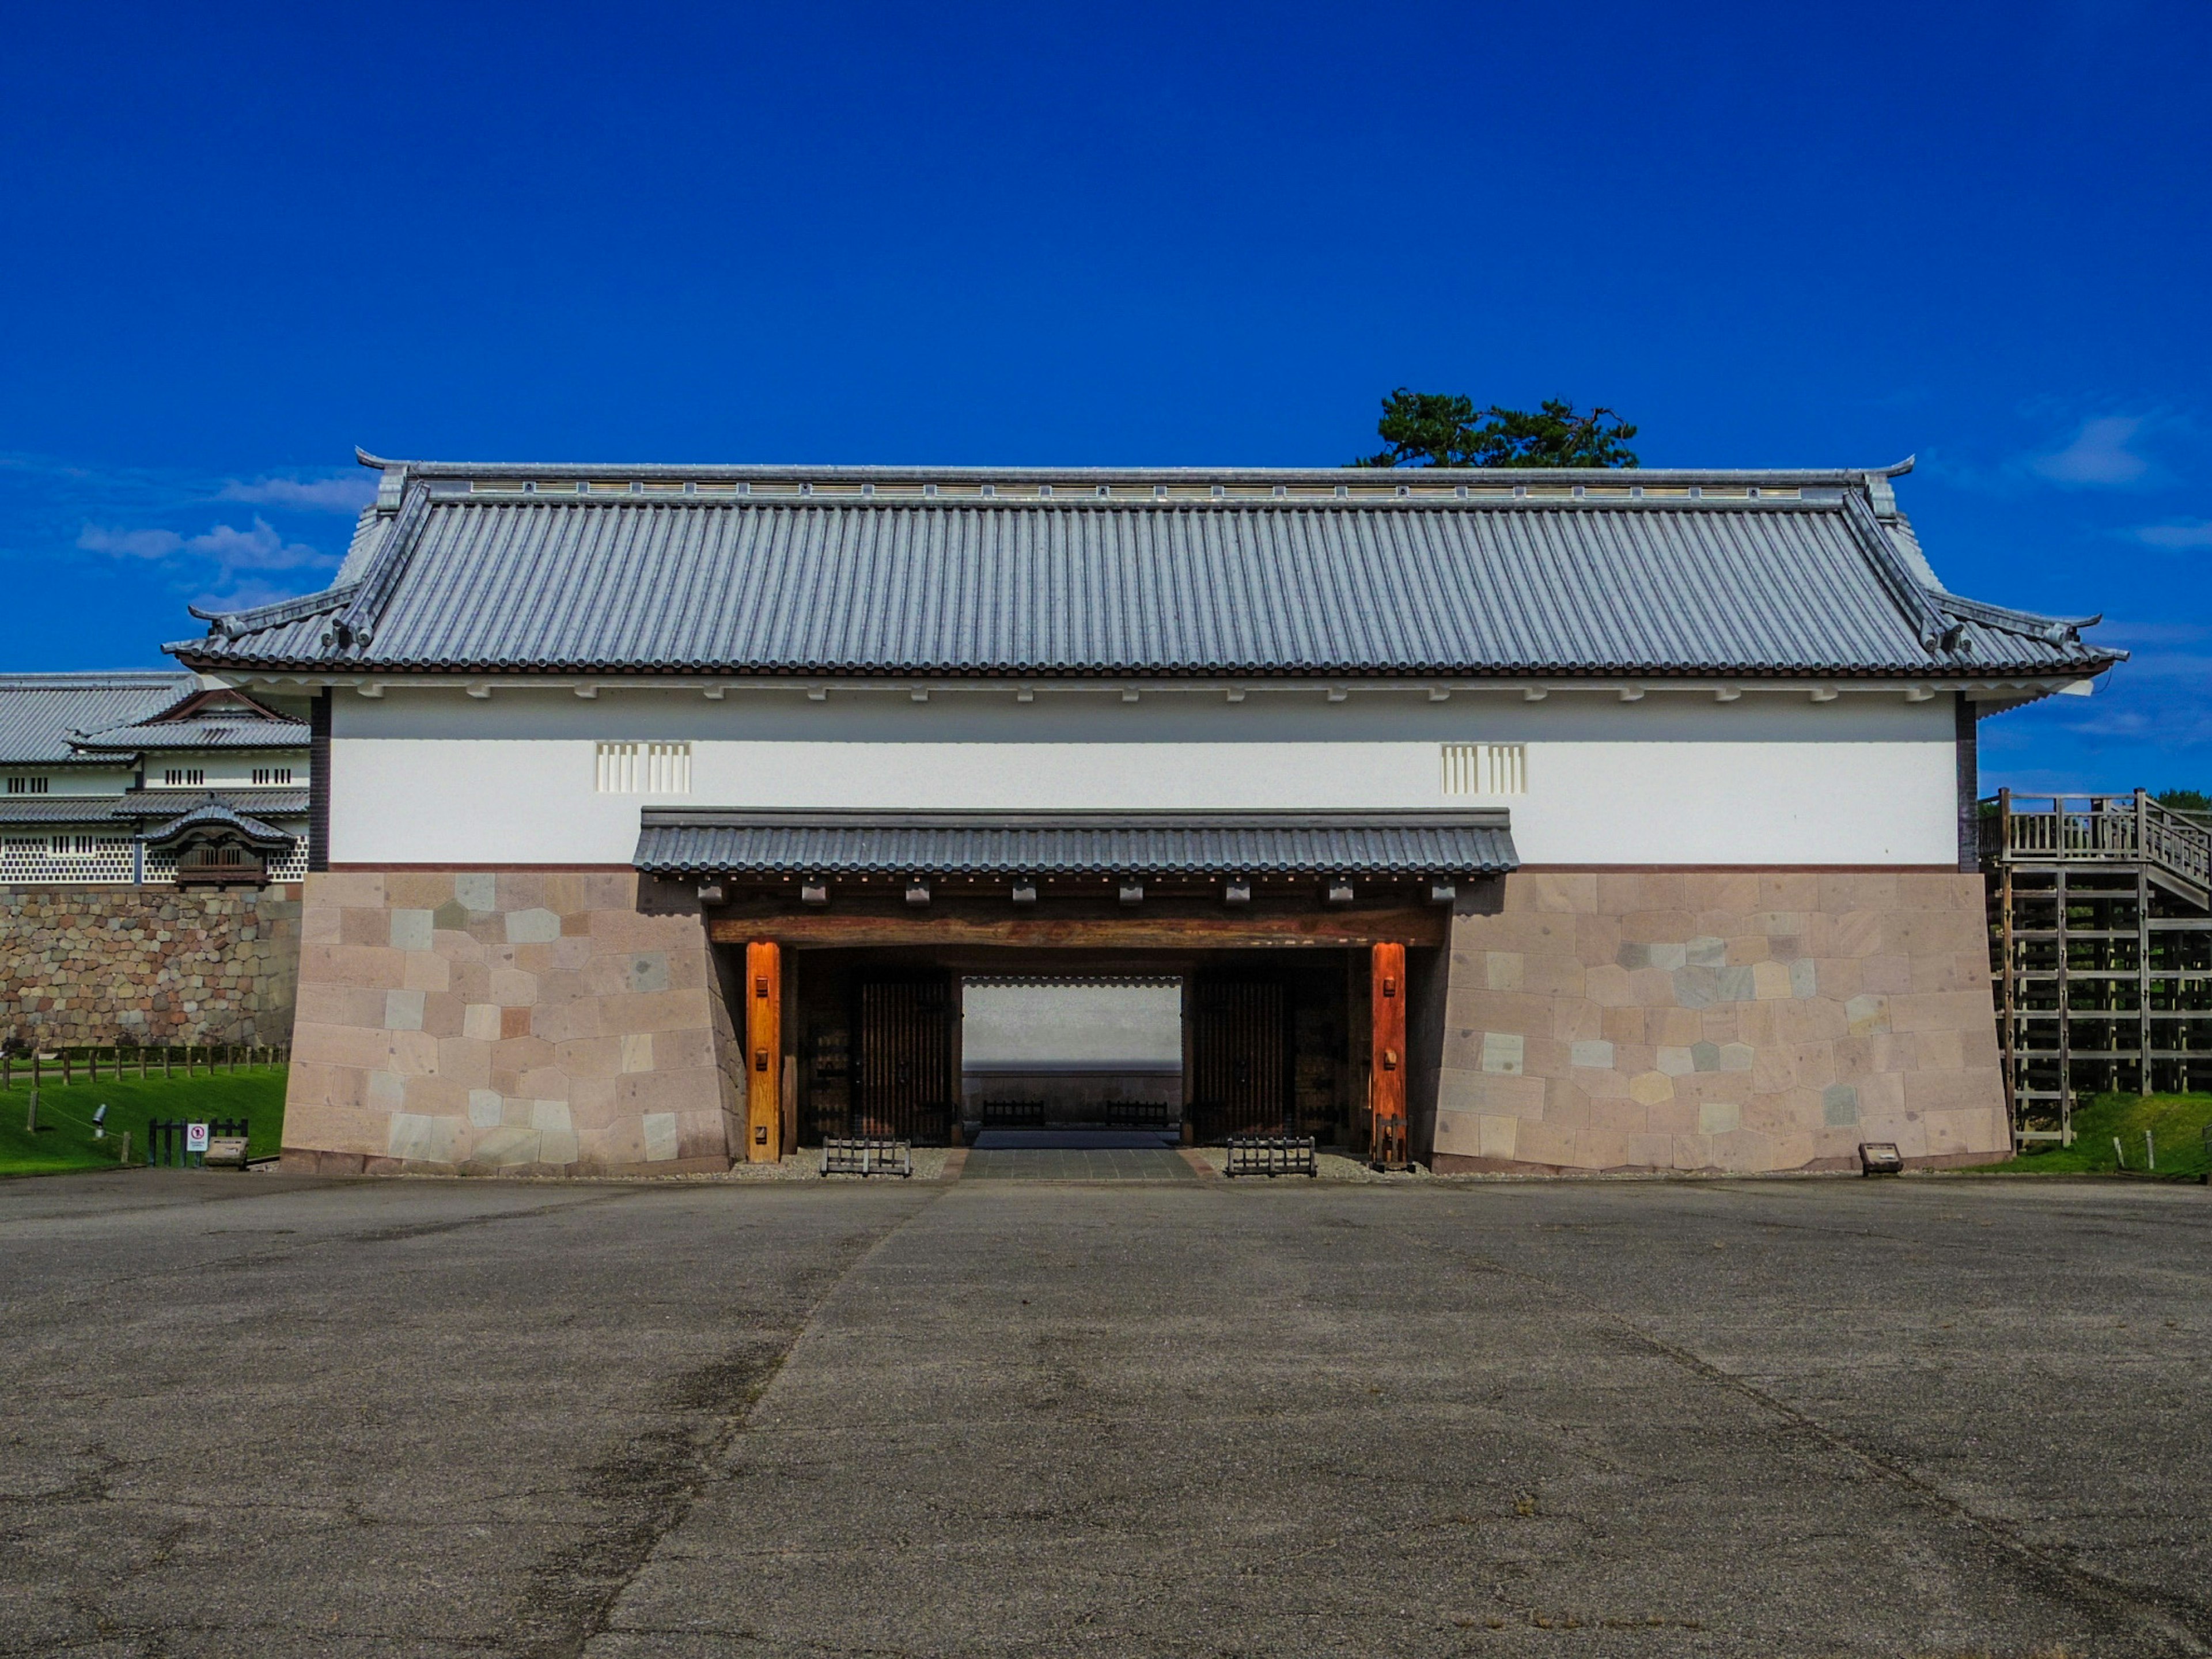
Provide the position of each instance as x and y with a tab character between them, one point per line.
435	777
1087	1027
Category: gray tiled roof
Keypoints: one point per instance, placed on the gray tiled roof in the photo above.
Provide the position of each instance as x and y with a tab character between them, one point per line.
687	841
57	809
166	803
1098	574
220	730
41	712
212	811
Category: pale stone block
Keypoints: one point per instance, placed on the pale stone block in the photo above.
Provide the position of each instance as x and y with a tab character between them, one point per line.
506	1146
1736	1056
1458	1132
1497	1137
1720	1117
1676	1062
556	1147
511	987
1651	1088
1804	982
1704	951
345	889
1868	1014
550	1117
1553	892
422	1139
481	1022
1501	969
1544	1143
425	970
637	1051
667	1011
648	971
476	890
402	1010
660	1136
1593	1053
1839	1106
1705	1056
533	927
440	1097
1770	981
1503	1052
1669	958
387	1091
411	930
485	1108
414	1054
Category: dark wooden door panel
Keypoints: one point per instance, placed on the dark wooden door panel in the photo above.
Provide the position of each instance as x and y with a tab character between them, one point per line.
906	1082
1240	1066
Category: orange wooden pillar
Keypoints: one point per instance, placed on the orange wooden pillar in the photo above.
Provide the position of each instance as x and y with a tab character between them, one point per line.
1386	1070
763	1052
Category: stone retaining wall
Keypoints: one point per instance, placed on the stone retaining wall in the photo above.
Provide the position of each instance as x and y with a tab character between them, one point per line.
148	965
1742	1022
508	1022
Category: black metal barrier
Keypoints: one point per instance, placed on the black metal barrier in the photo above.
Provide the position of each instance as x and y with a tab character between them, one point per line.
1271	1155
841	1156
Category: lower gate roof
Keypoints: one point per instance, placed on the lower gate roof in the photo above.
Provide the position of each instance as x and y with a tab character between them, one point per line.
706	841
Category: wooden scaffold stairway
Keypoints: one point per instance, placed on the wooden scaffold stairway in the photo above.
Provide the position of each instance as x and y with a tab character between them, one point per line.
2100	939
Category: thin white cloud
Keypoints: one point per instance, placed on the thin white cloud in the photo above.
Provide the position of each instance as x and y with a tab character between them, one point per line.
2184	533
258	549
242	595
346	493
129	543
2098	456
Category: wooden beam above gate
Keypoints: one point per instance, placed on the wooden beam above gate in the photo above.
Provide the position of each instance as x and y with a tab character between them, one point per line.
946	924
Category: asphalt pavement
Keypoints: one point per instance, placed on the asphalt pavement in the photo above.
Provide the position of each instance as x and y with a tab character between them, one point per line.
255	1415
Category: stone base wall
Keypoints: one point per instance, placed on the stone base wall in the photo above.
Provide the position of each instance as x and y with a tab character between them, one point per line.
1742	1021
508	1022
96	965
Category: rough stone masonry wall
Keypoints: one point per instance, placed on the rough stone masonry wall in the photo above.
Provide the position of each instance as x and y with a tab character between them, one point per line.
148	965
1720	1021
507	1023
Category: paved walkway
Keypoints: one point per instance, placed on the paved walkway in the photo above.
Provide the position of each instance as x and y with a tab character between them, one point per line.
1155	1162
268	1416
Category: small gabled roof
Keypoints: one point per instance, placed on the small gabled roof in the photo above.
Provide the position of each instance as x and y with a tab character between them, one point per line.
941	573
212	812
40	714
213	717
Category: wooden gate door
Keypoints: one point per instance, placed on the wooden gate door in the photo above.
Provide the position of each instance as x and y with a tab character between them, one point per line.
906	1084
1240	1058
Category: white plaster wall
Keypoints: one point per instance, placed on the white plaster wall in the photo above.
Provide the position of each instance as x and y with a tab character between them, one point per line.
1094	1027
70	780
435	777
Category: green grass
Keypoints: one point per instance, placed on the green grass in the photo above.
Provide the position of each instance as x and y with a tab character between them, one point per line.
65	1139
2176	1123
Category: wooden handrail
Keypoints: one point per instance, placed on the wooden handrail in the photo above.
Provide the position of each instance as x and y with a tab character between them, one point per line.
2086	828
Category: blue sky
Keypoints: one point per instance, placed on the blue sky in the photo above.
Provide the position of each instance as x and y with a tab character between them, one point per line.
240	241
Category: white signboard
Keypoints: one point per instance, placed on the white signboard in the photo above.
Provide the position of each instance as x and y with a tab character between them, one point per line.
196	1137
